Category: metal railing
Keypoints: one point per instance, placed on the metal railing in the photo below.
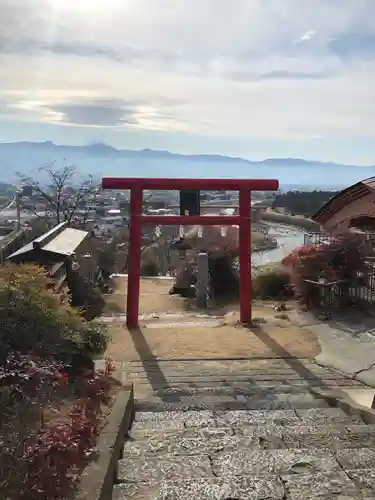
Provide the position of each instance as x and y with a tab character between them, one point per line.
317	238
12	242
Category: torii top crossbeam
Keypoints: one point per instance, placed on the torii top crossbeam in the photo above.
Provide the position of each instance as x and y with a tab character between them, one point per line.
203	184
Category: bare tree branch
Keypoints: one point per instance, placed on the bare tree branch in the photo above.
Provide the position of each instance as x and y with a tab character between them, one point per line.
60	194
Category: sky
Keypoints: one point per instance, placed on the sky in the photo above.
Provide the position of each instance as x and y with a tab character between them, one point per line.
250	78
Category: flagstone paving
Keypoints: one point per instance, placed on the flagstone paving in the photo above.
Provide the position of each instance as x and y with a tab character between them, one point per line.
242	429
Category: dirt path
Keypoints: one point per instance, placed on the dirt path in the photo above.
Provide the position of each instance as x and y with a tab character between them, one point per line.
154	297
225	339
217	335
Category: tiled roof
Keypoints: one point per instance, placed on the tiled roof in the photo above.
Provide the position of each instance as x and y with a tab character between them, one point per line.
61	240
66	242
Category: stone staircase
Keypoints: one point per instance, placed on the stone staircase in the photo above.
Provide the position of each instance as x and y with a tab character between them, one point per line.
242	430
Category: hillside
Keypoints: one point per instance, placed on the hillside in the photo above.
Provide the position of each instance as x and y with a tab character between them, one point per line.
104	160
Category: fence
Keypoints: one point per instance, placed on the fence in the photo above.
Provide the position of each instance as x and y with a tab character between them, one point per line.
12	242
324	238
317	238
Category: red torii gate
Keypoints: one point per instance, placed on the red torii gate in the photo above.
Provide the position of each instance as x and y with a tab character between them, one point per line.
243	220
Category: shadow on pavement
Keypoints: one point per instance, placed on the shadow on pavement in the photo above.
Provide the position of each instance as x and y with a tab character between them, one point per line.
283	353
151	365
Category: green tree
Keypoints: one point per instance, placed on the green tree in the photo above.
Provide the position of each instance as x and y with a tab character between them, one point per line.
305	203
85	295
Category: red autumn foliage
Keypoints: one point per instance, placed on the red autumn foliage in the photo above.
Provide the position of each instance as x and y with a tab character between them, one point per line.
51	456
300	253
338	260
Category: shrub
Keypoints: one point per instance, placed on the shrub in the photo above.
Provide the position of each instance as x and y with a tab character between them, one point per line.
338	260
271	282
59	452
27	386
39	459
85	296
150	269
33	319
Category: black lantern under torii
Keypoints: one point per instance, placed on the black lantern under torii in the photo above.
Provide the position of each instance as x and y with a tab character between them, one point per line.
190	203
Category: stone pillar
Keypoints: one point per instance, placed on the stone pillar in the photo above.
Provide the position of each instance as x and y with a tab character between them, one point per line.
256	215
202	279
163	260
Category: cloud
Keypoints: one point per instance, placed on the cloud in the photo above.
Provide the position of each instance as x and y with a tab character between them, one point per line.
97	113
281	75
258	70
103	113
308	35
34	47
3	106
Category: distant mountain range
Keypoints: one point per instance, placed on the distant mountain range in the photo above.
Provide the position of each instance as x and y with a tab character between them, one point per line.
103	160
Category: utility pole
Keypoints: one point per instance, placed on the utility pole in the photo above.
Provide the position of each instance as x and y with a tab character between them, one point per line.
18	207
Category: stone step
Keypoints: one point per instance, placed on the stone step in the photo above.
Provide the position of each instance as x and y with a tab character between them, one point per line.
202	489
229	441
249	462
192	370
229	377
243	462
312	416
320	486
359	458
245	429
301	436
269	401
206	418
224	383
150	424
227	365
195	370
244	388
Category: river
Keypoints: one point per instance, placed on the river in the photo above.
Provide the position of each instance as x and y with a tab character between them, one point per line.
288	238
11	214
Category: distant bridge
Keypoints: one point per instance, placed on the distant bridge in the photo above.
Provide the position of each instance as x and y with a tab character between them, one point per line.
257	208
212	206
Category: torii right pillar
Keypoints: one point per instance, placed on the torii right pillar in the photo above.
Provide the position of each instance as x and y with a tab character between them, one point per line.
246	289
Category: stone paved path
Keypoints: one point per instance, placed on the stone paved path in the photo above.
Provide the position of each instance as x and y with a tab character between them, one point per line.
242	430
347	342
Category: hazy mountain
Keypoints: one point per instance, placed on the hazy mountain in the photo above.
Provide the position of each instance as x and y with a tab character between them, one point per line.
103	160
6	188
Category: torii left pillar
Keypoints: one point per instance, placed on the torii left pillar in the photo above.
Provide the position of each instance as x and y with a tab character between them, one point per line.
134	257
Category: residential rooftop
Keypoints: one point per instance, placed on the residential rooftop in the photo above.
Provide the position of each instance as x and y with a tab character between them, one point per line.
61	240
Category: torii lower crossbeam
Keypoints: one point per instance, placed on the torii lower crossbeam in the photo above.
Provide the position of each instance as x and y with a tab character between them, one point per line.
137	220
